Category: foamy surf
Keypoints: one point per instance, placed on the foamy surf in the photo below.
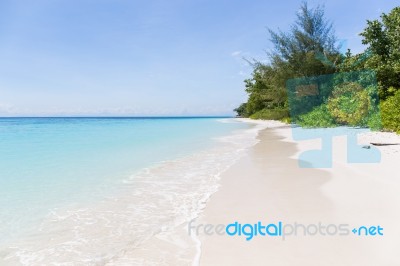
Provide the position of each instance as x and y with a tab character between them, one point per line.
144	223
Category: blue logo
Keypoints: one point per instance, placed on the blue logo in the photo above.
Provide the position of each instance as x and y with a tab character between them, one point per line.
284	230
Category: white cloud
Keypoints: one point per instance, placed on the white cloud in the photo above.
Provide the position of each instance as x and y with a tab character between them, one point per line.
236	53
6	108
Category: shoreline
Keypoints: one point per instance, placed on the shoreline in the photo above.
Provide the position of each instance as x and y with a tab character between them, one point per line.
267	185
146	215
246	176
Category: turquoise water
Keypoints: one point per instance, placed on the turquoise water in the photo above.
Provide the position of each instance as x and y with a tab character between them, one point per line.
48	163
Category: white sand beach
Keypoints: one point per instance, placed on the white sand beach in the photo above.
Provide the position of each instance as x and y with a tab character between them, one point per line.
268	185
250	176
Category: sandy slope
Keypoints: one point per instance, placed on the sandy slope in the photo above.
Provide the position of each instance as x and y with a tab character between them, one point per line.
268	185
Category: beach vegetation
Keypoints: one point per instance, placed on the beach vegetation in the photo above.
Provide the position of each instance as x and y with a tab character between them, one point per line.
296	53
349	104
390	111
271	114
241	110
318	117
364	92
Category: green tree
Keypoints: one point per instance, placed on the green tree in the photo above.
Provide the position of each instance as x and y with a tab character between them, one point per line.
383	40
263	90
390	112
309	48
241	110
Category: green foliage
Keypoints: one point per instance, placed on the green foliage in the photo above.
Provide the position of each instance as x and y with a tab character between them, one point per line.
383	39
375	122
296	53
309	47
286	120
271	114
241	110
382	36
264	90
319	117
390	111
309	50
349	104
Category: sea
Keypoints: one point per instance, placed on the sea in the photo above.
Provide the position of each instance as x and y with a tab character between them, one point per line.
110	191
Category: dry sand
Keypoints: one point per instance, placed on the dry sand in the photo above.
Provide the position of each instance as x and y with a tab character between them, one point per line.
267	185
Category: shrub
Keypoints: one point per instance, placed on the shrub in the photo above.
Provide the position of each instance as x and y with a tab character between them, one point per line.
349	104
375	121
390	111
241	110
271	114
285	120
318	117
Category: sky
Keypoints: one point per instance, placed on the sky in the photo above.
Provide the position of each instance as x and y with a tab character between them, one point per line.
146	58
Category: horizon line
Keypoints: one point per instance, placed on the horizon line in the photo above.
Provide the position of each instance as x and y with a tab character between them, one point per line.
191	116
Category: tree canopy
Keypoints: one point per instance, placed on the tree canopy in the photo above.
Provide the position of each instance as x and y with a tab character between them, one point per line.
383	40
310	49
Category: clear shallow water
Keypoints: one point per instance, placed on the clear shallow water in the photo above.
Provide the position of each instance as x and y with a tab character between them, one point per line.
69	184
